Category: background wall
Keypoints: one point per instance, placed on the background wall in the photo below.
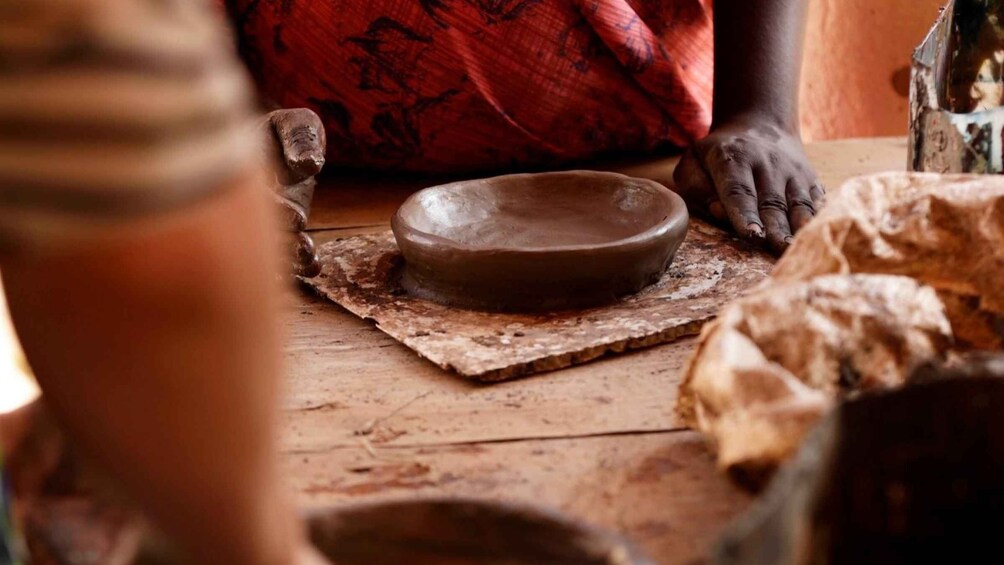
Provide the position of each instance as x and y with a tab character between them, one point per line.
855	80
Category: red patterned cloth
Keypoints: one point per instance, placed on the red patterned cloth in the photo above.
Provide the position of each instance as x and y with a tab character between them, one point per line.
463	85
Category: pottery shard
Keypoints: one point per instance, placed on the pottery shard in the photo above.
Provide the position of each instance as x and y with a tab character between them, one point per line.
945	231
775	361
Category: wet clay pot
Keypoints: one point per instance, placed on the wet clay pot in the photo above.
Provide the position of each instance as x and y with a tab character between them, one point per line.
540	242
451	531
463	532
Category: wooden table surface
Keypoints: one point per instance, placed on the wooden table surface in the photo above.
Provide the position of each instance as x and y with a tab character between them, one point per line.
367	419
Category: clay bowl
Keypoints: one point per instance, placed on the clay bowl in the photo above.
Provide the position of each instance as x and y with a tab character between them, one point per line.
542	242
453	531
463	532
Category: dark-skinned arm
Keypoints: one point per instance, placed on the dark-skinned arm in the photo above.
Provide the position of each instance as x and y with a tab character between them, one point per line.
752	170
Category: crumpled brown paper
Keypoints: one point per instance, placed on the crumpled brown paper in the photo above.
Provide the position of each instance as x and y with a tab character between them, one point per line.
890	272
774	362
945	231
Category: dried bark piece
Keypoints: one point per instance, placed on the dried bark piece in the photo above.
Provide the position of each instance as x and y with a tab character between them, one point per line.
712	267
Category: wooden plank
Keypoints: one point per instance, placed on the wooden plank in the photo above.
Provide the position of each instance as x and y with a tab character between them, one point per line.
661	490
595	441
345	374
712	267
364	200
347	378
357	201
838	161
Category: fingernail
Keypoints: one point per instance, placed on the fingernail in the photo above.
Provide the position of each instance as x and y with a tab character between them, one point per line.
754	230
304	142
308	163
305	249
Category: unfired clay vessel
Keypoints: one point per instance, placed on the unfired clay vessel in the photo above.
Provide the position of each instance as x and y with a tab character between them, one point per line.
540	242
463	532
451	531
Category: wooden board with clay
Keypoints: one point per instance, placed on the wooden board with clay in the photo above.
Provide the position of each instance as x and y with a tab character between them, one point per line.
361	274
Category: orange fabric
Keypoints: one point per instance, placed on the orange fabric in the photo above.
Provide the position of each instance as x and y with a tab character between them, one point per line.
461	85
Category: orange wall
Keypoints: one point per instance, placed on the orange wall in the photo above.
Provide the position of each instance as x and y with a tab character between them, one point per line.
855	78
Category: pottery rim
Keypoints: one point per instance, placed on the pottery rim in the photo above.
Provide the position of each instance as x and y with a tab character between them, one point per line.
676	213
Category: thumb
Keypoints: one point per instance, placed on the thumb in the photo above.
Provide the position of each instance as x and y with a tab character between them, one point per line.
301	135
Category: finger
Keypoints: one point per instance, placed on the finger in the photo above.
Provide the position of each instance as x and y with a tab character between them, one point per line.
818	194
694	185
801	204
292	216
717	211
736	190
304	256
773	208
303	141
302	194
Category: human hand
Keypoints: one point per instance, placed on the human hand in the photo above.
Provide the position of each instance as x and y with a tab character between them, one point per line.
296	144
754	175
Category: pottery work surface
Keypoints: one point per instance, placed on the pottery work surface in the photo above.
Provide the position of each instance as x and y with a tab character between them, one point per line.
538	242
711	268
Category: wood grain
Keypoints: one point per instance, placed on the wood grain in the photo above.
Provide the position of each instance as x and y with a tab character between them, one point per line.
347	378
662	488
